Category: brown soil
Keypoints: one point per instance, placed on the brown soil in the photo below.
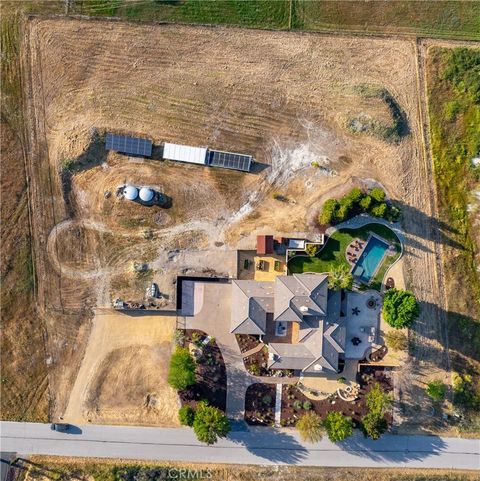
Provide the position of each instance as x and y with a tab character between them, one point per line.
257	363
260	404
368	377
129	388
211	375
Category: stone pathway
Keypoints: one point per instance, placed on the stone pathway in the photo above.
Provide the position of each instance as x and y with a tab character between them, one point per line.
278	405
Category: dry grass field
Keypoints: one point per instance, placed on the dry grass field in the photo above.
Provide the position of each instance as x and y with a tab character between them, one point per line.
50	468
284	97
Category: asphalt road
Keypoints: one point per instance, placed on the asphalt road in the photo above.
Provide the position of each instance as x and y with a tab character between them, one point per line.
247	446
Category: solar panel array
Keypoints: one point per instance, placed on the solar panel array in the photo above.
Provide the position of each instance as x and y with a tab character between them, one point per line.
229	160
129	145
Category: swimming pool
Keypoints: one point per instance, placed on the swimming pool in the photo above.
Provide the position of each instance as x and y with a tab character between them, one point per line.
370	259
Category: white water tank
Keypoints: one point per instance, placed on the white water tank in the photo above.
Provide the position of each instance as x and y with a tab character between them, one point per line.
130	192
146	194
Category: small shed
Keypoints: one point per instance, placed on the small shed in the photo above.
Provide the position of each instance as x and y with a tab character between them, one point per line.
264	244
185	153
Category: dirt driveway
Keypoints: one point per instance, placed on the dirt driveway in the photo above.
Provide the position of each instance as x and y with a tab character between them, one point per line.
122	378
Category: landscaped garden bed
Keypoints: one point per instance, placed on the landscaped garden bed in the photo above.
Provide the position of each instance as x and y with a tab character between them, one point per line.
295	403
246	342
257	363
260	404
332	256
210	373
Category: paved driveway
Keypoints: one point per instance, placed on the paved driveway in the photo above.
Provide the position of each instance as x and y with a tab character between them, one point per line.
214	319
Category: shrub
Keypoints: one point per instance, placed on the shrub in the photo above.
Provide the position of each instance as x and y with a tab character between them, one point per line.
254	369
379	210
436	390
373	425
466	392
365	203
182	369
396	340
307	405
312	249
328	213
210	423
186	415
400	308
297	405
310	427
338	426
340	278
355	195
377	194
267	400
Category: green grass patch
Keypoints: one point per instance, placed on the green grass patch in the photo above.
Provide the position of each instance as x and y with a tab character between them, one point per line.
427	17
333	253
245	13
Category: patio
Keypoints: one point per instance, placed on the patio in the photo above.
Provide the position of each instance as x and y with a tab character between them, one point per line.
362	321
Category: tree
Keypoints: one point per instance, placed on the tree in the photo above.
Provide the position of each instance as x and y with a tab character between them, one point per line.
338	426
379	210
340	278
310	427
377	194
436	390
377	401
312	249
396	340
328	213
186	415
400	308
182	369
365	203
373	425
210	423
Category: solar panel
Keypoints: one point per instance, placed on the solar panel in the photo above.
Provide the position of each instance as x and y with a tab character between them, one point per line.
229	160
129	145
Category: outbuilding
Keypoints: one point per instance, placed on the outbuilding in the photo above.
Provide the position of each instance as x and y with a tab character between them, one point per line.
185	153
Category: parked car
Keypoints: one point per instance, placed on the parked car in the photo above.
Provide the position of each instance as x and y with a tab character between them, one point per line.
60	427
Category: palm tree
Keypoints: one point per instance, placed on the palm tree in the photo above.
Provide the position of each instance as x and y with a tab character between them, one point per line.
340	278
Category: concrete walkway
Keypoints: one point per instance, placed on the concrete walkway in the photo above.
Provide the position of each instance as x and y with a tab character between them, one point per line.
278	405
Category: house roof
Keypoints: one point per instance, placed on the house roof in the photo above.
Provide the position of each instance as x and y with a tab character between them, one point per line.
264	244
302	298
299	296
251	301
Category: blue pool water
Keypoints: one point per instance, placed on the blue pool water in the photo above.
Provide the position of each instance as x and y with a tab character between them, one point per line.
370	259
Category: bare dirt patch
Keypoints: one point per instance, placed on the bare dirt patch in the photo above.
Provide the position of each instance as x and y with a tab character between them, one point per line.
122	378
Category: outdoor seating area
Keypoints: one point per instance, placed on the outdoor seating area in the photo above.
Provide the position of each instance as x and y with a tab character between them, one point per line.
354	250
362	319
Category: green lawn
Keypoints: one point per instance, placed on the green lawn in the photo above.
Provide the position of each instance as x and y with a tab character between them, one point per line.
333	254
425	17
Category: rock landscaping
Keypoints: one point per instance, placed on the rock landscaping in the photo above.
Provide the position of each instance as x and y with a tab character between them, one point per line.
260	404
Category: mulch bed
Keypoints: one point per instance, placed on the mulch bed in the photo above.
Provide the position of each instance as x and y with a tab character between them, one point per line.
257	363
260	404
367	378
211	375
247	341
